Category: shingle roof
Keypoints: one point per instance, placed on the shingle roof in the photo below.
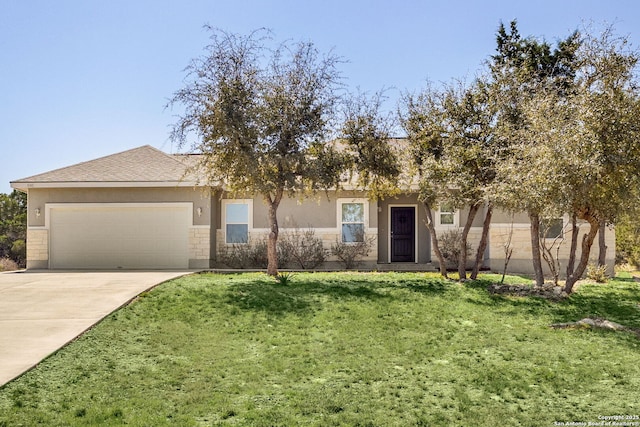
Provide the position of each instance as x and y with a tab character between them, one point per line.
143	164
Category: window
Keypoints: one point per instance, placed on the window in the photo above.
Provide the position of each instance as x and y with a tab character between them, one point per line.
352	215
447	214
236	222
552	229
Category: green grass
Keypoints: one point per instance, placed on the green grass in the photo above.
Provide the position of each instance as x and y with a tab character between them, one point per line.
372	349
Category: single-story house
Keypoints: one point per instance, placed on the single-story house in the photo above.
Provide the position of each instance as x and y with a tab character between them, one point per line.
138	210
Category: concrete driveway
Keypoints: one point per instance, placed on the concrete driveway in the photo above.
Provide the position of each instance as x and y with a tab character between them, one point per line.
41	311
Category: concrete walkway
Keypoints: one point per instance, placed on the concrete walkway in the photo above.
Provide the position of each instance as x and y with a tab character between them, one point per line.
40	312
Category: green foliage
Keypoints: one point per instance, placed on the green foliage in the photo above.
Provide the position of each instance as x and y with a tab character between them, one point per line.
372	156
264	118
259	113
565	119
339	349
284	279
628	240
13	226
597	273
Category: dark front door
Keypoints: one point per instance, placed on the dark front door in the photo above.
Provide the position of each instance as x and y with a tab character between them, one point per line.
403	234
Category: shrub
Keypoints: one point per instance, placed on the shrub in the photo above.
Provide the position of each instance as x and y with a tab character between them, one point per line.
303	248
284	278
597	273
250	255
449	243
351	254
19	252
237	255
7	264
628	240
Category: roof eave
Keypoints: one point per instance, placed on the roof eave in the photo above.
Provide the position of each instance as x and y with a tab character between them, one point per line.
22	185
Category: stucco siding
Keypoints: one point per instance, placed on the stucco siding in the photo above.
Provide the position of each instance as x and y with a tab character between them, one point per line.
39	197
520	261
317	211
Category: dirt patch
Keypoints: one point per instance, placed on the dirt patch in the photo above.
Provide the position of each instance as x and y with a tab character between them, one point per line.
548	291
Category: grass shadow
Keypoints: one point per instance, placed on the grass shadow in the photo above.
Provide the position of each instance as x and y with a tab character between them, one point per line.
305	292
617	301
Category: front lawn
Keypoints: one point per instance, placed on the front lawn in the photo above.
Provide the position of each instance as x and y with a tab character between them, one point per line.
372	349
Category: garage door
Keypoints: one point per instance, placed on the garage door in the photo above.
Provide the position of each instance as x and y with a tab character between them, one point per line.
150	236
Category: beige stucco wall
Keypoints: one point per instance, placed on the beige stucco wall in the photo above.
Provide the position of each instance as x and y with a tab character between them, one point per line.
500	216
38	197
201	236
318	212
520	261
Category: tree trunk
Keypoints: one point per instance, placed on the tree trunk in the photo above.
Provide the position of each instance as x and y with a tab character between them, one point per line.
587	241
434	241
462	260
272	251
483	241
602	254
574	245
535	247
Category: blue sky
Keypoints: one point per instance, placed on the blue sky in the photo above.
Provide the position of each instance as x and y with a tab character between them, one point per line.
80	79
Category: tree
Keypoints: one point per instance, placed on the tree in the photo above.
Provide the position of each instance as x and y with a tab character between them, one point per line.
262	119
370	154
13	226
574	144
608	107
523	72
450	133
423	121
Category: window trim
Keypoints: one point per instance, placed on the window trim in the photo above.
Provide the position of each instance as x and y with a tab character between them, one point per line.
365	214
565	222
225	203
454	212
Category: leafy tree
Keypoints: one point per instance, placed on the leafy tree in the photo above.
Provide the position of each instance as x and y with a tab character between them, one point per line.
628	239
574	143
371	156
422	118
266	121
608	107
521	70
450	134
13	226
262	118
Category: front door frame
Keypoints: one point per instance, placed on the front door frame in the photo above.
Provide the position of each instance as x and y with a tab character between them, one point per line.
415	226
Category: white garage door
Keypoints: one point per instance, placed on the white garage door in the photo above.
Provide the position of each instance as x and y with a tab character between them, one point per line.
119	236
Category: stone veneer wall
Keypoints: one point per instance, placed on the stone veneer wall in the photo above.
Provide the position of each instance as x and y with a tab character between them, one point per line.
199	247
37	248
520	261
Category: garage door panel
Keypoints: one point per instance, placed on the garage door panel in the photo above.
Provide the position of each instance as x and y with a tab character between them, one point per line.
150	236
